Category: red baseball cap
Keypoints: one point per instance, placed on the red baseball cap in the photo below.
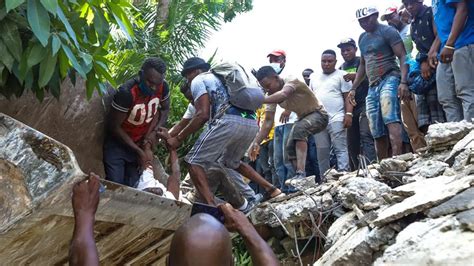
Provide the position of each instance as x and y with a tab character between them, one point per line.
388	11
277	53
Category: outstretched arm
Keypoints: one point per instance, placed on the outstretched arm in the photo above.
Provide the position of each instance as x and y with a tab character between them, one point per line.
85	199
261	135
236	221
280	96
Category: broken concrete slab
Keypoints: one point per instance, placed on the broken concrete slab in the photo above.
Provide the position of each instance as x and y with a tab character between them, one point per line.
466	219
339	228
431	194
461	202
350	249
430	242
432	168
379	237
366	193
466	143
447	133
390	165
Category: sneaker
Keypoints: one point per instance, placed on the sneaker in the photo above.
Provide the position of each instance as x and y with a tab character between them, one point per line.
257	198
299	175
250	206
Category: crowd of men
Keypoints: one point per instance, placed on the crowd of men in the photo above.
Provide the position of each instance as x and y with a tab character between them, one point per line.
370	107
413	71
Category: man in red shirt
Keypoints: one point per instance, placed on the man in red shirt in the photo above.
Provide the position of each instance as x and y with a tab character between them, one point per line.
139	106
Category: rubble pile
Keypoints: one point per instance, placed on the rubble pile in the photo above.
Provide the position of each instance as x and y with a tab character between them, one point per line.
413	209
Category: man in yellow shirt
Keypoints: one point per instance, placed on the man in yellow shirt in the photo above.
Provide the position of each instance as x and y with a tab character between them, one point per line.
264	163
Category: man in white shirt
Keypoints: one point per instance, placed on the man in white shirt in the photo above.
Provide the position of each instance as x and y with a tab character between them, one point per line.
331	89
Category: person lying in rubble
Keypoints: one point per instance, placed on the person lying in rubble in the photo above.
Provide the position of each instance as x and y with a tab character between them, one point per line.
187	247
147	181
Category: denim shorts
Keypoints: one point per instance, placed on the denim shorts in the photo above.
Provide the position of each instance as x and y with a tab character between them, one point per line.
383	106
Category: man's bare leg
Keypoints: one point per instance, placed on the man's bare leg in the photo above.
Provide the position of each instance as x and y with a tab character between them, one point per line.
85	199
247	171
382	146
395	133
198	176
301	151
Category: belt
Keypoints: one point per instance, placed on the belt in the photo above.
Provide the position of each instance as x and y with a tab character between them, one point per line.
232	110
389	73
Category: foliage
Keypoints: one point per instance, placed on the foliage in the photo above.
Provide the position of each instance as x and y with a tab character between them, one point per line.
240	252
44	41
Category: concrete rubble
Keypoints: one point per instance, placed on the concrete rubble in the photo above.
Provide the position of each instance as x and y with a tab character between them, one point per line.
415	209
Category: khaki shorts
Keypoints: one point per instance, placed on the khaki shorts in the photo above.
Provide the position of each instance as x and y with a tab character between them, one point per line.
306	126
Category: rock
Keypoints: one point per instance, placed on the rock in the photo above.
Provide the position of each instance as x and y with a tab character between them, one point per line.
366	193
466	218
429	193
302	183
392	165
379	237
445	134
327	200
350	249
460	202
429	242
405	157
339	228
293	210
432	168
466	143
462	159
412	178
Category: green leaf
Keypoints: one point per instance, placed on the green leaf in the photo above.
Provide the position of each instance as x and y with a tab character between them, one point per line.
46	70
66	23
50	5
39	94
38	19
54	84
56	44
122	20
91	84
12	4
6	58
2	77
37	53
11	38
102	70
101	25
73	60
63	64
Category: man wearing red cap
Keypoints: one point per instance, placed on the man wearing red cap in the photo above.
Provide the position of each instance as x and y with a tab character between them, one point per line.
277	60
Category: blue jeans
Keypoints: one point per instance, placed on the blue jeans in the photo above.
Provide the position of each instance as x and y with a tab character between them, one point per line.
283	168
312	167
264	165
383	106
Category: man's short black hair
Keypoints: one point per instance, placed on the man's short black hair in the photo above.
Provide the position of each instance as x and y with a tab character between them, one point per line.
264	72
156	63
308	70
329	51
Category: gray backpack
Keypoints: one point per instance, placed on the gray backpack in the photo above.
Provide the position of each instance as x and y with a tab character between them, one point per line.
243	89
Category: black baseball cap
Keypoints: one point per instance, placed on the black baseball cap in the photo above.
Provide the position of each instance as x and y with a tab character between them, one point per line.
348	41
194	63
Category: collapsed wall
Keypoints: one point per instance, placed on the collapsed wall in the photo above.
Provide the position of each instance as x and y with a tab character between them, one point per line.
411	209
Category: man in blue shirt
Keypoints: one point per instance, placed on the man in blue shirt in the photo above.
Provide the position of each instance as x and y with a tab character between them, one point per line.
454	21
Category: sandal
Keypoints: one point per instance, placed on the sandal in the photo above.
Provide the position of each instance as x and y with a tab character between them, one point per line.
267	194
